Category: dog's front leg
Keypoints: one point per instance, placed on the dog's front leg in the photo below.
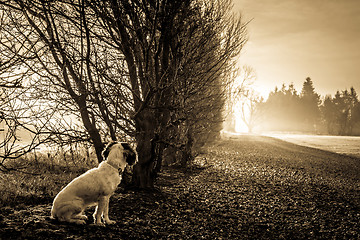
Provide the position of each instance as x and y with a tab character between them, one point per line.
99	211
106	213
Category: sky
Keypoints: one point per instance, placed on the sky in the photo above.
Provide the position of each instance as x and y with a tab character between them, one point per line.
290	40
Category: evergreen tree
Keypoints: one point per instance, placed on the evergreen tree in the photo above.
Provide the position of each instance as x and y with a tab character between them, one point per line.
310	102
342	113
281	110
329	115
354	115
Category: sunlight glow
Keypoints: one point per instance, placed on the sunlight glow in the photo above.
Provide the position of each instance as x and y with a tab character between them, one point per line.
263	91
240	126
246	93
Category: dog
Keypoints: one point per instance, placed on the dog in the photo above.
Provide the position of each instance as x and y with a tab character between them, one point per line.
94	187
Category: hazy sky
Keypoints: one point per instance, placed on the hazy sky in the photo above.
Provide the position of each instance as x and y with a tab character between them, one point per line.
290	40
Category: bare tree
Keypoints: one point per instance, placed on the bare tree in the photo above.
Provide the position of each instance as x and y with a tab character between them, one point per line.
186	51
67	67
251	109
206	72
239	92
23	127
141	69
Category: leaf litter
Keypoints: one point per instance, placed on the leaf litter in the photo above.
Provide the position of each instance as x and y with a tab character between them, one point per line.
250	187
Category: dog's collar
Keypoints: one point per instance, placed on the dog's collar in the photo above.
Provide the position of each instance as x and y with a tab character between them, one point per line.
117	169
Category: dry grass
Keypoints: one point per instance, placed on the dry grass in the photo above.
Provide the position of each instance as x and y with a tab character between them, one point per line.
36	180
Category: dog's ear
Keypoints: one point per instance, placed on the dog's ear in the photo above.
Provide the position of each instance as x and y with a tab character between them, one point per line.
130	157
106	150
129	153
126	146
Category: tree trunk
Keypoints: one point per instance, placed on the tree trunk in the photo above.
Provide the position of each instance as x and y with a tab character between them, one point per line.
187	151
160	147
91	129
143	176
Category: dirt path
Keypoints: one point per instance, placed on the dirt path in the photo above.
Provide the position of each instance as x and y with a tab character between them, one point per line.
244	188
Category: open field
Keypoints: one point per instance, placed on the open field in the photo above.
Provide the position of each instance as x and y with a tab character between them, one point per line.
247	187
349	145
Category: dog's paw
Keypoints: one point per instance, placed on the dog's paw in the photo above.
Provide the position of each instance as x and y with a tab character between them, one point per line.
80	222
110	222
83	217
80	217
99	224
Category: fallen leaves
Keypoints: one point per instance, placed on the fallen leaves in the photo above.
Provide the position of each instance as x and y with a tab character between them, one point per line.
248	188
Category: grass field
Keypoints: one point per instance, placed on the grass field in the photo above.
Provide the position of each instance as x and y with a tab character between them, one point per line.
247	187
349	145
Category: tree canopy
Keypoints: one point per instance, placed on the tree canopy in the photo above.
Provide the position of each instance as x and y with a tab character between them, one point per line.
153	72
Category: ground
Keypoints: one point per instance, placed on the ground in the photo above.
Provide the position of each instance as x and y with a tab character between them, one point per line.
247	187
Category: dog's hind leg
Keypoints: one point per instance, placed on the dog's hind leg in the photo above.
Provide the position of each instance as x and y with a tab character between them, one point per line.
71	213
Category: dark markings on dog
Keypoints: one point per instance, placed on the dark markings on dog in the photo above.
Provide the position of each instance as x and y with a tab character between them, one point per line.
126	146
106	151
129	153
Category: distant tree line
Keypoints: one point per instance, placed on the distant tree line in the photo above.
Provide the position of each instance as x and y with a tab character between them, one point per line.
341	113
287	110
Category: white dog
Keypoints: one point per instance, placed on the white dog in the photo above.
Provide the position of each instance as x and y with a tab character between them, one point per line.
94	187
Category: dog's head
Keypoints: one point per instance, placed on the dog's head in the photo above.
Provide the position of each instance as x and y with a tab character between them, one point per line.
119	154
129	154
